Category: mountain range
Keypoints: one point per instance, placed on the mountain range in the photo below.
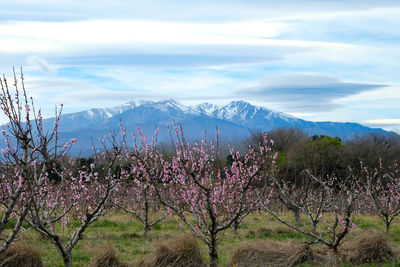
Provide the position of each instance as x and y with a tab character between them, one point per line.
235	120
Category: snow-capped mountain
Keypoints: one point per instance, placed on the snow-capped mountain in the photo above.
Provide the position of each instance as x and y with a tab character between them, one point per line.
235	120
242	113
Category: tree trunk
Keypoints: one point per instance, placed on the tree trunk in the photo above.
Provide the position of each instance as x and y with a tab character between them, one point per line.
387	227
296	213
145	230
314	226
235	227
67	260
146	216
212	250
64	253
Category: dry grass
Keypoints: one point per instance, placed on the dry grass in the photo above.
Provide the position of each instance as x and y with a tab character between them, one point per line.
181	251
107	257
271	254
124	234
366	249
396	251
369	248
21	254
323	256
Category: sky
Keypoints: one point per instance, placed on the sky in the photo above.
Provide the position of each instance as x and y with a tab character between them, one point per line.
317	60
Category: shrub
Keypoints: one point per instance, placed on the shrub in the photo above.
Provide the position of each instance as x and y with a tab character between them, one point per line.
107	257
271	254
182	251
371	248
21	254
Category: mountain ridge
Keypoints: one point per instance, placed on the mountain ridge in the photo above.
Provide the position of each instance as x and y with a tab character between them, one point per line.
235	120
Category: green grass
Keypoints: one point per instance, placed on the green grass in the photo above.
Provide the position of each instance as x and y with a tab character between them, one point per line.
11	224
124	233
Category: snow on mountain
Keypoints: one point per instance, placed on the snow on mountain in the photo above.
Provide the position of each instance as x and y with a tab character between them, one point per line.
238	111
235	120
204	108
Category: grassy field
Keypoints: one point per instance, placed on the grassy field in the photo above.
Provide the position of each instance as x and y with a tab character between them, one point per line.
124	233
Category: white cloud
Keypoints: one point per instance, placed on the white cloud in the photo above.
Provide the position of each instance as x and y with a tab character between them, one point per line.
383	121
53	36
387	124
305	93
301	114
194	81
41	64
208	49
183	11
79	94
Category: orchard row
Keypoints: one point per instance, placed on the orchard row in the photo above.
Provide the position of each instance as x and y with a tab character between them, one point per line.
42	186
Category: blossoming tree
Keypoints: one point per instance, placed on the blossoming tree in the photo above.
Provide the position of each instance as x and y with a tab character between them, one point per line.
382	187
325	196
206	197
80	193
27	154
